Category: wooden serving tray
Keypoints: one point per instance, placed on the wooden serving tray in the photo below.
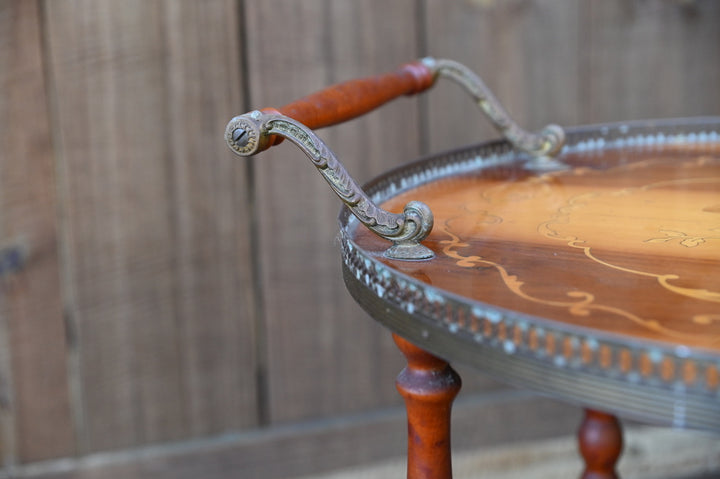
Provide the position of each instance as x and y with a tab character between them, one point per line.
597	281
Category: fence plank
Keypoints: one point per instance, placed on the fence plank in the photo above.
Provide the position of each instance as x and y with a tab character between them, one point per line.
651	59
155	233
325	355
215	289
34	397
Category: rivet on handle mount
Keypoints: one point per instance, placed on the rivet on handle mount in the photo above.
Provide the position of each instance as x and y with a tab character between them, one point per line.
258	130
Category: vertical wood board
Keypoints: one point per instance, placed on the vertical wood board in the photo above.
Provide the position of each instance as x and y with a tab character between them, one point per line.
154	218
34	399
108	76
215	290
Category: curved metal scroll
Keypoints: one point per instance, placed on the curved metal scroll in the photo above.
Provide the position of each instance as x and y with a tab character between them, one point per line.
546	143
252	132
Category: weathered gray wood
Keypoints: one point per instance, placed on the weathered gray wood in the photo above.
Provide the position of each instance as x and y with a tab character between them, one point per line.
34	397
325	355
108	79
650	59
209	202
157	263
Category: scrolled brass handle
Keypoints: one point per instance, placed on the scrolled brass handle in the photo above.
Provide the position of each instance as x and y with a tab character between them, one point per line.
258	130
546	143
405	230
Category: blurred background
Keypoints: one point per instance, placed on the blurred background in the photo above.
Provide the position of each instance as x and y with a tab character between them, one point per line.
170	310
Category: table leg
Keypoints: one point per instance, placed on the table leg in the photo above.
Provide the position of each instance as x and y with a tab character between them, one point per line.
600	441
428	385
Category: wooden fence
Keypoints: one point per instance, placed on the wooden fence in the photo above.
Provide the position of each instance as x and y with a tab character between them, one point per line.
179	312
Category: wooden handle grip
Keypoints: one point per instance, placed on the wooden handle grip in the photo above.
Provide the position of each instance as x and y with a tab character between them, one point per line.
348	100
351	99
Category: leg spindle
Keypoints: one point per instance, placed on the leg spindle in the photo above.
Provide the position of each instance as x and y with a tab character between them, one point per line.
600	440
428	385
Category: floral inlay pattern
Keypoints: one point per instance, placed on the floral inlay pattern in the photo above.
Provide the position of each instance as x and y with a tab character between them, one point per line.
648	227
684	239
680	202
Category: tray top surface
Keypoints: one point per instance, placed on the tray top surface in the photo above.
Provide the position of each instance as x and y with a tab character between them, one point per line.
626	242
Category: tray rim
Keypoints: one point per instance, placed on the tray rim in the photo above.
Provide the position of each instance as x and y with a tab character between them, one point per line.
413	310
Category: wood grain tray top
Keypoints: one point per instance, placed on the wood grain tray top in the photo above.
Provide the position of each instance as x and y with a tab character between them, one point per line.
597	280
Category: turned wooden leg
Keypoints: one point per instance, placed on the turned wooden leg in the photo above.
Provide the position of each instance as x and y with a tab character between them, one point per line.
600	440
429	386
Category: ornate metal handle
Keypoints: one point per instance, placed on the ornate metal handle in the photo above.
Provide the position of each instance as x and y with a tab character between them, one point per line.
546	143
256	131
405	230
